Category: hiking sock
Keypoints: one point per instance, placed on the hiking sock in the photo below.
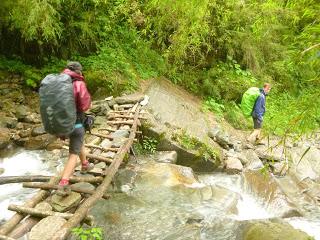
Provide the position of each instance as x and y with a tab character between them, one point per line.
64	182
85	164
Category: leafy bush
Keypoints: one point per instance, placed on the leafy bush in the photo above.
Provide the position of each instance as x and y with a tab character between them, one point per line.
211	105
149	144
95	233
235	117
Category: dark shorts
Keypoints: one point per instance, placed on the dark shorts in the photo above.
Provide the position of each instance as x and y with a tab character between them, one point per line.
76	140
257	124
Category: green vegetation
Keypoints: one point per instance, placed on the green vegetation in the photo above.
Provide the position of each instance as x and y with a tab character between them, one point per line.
95	233
146	146
216	49
191	143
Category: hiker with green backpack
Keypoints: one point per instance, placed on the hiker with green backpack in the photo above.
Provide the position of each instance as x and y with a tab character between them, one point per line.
63	100
254	104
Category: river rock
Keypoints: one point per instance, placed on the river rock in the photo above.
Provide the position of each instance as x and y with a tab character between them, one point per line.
25	133
127	99
96	108
273	231
46	228
58	144
252	160
108	154
36	131
22	112
84	186
32	118
125	127
101	165
111	102
221	137
120	133
118	142
167	174
63	204
20	126
280	168
39	142
166	156
265	187
307	166
8	122
19	141
99	120
106	143
43	206
1	171
124	177
4	137
233	165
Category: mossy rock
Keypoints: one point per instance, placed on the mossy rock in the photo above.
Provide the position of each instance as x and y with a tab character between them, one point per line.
274	231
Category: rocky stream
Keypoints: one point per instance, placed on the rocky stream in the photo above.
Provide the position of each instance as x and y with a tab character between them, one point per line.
203	182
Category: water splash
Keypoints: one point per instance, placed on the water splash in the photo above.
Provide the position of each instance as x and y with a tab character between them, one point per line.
20	164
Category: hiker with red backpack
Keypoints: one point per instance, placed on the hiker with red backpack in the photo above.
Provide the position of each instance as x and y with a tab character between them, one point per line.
63	100
254	104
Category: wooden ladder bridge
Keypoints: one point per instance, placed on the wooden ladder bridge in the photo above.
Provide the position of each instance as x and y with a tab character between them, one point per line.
28	215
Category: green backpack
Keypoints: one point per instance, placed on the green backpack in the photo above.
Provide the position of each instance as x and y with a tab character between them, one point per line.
248	100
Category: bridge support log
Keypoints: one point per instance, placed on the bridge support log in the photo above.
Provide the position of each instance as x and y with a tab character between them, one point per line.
42	214
38	178
46	186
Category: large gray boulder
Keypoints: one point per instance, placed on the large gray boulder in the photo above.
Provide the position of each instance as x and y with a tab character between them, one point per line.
263	186
273	231
46	228
166	156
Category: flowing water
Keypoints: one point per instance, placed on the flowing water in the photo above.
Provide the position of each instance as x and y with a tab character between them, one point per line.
148	211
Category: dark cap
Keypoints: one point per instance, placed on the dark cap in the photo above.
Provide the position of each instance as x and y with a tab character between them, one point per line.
74	66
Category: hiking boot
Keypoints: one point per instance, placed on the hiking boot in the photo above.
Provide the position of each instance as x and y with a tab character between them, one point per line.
87	167
63	190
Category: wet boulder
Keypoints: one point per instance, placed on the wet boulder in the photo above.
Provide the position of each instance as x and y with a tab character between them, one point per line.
36	131
8	122
128	99
22	112
233	165
221	137
4	137
63	204
251	159
273	231
32	118
166	156
264	187
39	142
46	228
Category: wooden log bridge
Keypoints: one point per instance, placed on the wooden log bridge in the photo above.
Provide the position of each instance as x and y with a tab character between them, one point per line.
30	214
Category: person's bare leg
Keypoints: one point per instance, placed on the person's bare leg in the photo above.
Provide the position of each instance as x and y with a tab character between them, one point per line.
83	155
70	166
85	165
